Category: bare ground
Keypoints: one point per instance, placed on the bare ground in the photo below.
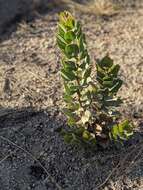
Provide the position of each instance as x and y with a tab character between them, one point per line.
29	77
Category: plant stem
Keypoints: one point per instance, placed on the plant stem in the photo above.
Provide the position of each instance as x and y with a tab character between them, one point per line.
78	83
78	93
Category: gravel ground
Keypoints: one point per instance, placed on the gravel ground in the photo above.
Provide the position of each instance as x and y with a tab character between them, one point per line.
71	168
29	77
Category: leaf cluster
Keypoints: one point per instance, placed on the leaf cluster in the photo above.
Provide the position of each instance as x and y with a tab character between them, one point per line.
90	107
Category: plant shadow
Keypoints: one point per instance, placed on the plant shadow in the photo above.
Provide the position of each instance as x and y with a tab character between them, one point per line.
71	167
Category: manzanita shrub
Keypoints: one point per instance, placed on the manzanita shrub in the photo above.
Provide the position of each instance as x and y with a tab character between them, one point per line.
91	108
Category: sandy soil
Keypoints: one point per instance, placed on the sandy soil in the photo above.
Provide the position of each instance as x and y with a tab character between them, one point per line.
29	77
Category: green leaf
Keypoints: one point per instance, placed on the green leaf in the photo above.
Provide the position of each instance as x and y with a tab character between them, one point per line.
68	138
112	102
71	50
67	98
115	132
122	131
71	121
100	80
61	42
69	113
87	73
127	127
67	89
74	88
74	106
116	87
106	62
86	135
120	128
87	58
124	124
100	72
78	29
107	78
103	91
81	44
82	66
83	55
67	20
70	90
69	66
108	84
79	131
92	141
61	30
69	36
114	70
68	76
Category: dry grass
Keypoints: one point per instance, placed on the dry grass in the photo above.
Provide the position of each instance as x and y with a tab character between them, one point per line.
104	7
98	7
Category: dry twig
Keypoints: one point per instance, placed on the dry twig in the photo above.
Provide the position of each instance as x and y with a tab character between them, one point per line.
121	163
28	153
2	160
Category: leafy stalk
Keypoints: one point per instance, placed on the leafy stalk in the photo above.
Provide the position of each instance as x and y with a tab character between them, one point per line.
90	108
